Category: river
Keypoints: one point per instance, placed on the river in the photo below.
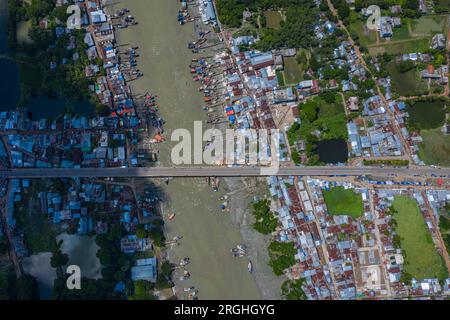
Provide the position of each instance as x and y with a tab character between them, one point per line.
207	233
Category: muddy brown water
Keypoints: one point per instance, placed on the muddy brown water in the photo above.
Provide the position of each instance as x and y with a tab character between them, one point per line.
208	234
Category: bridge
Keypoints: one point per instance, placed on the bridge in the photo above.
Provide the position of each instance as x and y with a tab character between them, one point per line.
244	171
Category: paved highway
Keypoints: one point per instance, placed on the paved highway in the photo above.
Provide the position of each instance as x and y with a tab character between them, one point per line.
221	172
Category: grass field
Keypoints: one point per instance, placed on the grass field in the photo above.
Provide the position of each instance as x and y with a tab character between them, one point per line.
421	260
366	37
330	109
280	78
273	18
435	148
429	25
408	83
293	73
402	33
443	3
416	45
342	201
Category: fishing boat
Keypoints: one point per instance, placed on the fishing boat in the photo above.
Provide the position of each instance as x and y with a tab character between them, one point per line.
249	266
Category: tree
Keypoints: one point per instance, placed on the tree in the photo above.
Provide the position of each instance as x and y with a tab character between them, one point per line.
26	288
102	110
292	290
230	12
296	157
282	256
309	110
142	291
59	259
405	66
265	222
301	58
141	233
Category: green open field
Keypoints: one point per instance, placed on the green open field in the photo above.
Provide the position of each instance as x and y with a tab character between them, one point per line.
293	72
435	148
429	25
402	33
342	201
330	109
366	37
408	83
273	18
421	260
416	45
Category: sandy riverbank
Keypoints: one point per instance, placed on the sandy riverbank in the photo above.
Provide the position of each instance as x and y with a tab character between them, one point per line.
207	233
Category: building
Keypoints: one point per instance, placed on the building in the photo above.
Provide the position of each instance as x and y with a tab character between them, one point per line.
145	269
353	104
438	42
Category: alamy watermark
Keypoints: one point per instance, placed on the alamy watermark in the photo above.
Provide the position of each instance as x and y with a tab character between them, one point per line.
237	147
374	20
74	20
73	281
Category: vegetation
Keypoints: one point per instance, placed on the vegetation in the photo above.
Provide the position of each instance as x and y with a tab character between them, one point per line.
164	279
293	70
342	201
405	79
319	121
444	226
292	290
266	222
435	147
66	78
142	291
38	233
58	258
421	258
282	256
230	12
427	113
390	162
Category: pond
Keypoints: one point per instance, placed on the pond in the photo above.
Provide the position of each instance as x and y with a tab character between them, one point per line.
82	252
332	151
38	265
427	114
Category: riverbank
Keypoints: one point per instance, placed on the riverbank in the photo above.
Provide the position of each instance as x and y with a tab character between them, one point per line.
208	234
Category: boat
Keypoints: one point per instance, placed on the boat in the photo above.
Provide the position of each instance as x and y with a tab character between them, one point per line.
171	216
249	266
242	247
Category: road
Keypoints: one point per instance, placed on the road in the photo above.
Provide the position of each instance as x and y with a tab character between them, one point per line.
220	172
